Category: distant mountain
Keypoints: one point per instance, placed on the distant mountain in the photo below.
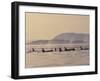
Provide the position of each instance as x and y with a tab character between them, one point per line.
73	37
39	42
65	38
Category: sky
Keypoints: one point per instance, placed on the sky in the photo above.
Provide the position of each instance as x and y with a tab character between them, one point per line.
45	26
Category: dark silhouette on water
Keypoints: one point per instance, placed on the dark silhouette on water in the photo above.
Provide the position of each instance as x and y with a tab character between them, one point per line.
33	49
55	49
60	49
43	50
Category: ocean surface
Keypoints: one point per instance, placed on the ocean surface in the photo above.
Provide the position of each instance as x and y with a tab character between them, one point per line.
38	58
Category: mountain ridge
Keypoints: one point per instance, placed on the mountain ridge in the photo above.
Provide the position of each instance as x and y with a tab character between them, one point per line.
65	38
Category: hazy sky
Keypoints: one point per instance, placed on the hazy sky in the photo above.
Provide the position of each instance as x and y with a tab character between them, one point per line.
47	26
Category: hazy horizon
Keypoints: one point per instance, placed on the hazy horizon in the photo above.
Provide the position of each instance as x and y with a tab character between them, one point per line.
42	26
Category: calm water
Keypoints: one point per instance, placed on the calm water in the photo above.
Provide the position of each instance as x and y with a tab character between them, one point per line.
51	59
